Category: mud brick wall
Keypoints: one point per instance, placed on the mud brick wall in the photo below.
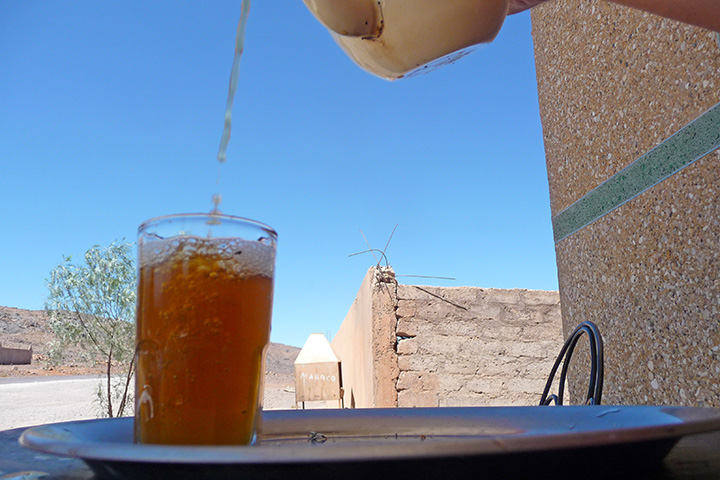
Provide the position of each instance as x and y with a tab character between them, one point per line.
415	346
365	344
15	356
475	346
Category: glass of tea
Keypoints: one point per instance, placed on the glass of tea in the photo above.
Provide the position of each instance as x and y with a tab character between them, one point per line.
204	303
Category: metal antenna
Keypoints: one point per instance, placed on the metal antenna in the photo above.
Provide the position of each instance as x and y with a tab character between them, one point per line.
425	276
372	250
388	242
387	261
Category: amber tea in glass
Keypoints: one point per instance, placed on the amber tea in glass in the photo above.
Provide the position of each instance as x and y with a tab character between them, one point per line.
205	291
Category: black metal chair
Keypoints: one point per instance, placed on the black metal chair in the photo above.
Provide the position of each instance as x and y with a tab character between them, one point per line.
594	394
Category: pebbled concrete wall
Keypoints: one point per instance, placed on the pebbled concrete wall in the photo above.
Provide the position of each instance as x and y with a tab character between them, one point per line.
617	86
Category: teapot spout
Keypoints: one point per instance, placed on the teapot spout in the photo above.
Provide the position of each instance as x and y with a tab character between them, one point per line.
351	18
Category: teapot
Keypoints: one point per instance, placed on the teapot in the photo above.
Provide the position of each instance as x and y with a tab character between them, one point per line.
398	38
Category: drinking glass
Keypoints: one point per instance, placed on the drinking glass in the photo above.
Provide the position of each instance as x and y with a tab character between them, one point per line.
205	291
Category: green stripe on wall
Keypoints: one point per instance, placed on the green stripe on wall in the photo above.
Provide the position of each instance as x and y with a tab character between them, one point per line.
691	143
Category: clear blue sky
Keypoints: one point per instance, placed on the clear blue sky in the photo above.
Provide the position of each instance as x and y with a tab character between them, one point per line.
111	113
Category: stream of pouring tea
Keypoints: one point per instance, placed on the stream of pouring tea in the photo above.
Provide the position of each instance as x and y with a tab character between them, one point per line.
222	151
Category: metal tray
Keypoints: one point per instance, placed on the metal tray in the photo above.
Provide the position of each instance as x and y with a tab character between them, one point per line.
420	442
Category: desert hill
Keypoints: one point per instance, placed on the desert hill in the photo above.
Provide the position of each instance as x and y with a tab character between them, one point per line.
29	328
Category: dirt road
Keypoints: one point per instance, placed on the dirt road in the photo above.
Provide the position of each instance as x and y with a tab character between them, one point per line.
28	401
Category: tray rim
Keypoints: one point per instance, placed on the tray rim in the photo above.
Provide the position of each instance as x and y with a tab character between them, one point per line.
690	420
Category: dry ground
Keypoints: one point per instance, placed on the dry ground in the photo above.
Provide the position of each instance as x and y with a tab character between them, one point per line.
66	392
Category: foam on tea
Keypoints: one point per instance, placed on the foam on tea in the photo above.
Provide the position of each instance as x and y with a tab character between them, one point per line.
243	257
